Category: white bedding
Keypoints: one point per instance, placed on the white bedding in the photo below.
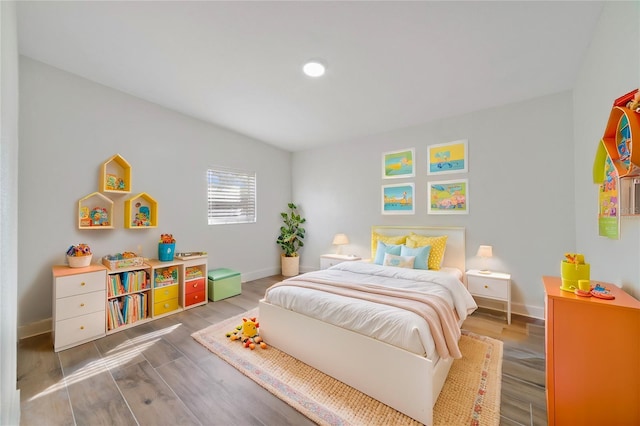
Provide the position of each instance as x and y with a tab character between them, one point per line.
392	325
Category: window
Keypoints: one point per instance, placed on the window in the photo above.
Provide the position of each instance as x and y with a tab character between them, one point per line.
231	196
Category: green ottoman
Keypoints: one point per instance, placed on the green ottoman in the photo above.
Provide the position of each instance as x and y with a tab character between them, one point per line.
223	283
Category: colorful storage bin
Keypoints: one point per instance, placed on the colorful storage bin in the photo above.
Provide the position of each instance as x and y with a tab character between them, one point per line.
223	283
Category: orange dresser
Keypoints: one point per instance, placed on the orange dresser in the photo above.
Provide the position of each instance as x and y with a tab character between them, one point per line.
592	357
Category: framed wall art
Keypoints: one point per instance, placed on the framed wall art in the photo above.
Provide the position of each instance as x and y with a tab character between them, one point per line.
450	157
448	197
398	199
398	164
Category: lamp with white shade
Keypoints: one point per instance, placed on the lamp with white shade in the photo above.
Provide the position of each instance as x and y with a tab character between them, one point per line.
340	240
485	252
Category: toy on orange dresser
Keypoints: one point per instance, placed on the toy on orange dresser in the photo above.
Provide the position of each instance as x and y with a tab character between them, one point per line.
247	333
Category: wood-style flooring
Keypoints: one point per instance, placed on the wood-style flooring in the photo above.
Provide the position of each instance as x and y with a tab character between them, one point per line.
157	374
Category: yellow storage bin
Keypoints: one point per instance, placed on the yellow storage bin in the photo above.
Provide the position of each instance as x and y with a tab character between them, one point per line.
165	293
163	307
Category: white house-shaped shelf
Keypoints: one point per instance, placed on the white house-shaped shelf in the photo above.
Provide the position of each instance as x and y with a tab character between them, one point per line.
115	175
95	211
141	211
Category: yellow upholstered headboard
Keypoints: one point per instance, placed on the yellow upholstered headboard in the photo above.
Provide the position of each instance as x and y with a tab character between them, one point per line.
455	252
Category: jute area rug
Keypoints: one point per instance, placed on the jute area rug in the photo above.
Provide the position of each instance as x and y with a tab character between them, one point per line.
470	396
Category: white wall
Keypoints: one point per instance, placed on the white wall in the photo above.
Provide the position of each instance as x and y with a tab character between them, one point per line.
69	126
9	396
611	68
531	195
520	190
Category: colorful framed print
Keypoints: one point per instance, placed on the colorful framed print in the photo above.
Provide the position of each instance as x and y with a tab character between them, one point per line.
450	157
448	197
398	164
398	199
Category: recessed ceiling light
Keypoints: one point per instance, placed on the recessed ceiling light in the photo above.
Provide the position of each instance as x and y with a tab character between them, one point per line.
314	68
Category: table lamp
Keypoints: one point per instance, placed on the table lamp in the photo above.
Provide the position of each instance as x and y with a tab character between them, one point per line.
340	240
485	252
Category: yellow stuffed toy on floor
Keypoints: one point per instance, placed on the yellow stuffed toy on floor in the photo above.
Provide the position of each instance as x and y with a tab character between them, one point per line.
247	333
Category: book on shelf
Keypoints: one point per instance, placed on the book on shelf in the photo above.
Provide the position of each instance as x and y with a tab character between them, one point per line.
127	282
127	309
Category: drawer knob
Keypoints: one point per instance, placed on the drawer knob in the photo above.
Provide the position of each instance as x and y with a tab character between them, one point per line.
82	327
82	305
196	298
166	305
486	286
82	283
195	285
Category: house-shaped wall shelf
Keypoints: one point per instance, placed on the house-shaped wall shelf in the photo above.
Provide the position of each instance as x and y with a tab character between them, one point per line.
115	175
95	211
616	165
140	212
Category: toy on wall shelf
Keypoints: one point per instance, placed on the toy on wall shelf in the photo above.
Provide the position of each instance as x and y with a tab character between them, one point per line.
141	212
247	333
115	175
95	212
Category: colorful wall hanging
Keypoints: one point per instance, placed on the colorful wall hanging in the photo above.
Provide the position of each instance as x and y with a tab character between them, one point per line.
398	164
616	160
448	197
450	157
398	199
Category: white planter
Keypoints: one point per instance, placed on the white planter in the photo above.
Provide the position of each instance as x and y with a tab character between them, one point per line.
290	265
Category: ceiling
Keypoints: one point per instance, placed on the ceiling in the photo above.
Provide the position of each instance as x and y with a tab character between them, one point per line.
391	64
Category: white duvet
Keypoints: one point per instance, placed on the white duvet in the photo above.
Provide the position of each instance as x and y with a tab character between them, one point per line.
394	326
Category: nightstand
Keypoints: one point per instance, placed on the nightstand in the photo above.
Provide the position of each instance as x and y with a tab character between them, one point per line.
328	260
494	285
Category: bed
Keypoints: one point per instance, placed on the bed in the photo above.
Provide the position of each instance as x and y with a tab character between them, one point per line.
404	366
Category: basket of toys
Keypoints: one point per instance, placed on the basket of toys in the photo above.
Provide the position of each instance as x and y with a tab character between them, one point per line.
122	260
79	256
166	247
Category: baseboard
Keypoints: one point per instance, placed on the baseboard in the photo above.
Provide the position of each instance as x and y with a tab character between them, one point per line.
528	311
35	328
516	308
256	275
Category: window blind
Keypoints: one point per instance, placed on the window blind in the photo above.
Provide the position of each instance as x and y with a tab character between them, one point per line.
231	196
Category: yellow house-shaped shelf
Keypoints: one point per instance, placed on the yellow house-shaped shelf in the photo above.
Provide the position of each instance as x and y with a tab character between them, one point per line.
95	211
115	175
141	211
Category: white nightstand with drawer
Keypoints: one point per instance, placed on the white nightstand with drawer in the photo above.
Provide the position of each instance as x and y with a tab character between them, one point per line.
492	285
328	260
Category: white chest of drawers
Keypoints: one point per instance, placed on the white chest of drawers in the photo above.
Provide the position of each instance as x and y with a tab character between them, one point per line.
78	305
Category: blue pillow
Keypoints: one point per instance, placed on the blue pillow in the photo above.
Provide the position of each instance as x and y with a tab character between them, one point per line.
421	254
386	248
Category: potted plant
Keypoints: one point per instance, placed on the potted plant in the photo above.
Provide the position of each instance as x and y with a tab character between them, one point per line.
290	240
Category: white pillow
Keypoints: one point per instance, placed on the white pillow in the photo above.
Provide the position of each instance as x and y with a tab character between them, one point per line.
398	261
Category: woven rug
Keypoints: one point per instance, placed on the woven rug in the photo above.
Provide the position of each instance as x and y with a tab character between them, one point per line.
470	396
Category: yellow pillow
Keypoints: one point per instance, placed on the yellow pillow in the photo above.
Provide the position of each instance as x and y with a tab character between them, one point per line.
438	245
375	237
